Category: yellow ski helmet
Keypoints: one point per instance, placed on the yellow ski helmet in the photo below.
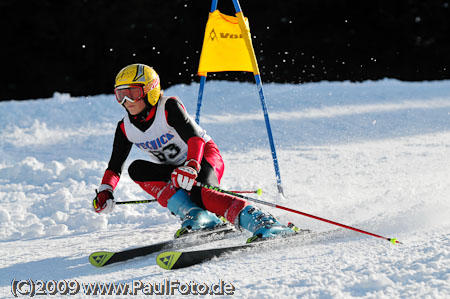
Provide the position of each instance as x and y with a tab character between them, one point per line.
143	75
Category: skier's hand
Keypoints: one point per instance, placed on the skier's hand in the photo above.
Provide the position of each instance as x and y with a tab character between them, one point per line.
184	176
104	201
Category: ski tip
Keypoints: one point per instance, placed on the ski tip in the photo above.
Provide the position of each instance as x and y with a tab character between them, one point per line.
100	258
259	191
167	260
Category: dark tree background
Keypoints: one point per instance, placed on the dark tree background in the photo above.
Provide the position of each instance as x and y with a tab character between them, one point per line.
78	46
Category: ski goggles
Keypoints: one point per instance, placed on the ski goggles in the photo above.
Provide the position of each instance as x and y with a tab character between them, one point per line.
131	93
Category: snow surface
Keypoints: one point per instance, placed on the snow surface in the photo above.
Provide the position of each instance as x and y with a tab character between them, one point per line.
373	155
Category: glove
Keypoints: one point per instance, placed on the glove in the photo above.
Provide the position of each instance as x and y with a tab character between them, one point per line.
184	176
104	201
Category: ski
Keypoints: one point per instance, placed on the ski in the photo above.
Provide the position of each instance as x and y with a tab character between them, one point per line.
171	260
103	258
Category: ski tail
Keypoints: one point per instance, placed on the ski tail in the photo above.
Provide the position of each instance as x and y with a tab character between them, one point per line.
168	259
171	260
100	258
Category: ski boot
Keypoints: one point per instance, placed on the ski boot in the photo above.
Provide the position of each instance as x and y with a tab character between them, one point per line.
262	225
193	217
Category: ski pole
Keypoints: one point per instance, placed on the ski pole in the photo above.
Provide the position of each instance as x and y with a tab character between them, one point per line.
392	240
257	191
135	201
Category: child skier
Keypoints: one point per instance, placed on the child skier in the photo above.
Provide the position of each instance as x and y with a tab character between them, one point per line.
179	153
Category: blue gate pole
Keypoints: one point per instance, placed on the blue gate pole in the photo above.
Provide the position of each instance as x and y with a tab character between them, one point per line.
269	133
200	97
249	45
214	5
